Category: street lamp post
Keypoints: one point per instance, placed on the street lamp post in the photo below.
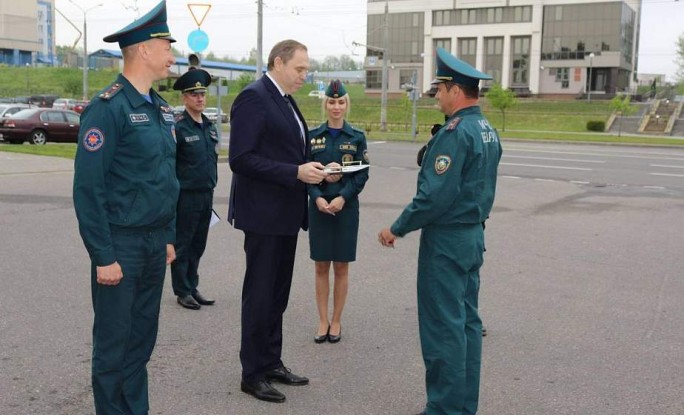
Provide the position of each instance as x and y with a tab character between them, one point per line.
28	65
591	65
85	46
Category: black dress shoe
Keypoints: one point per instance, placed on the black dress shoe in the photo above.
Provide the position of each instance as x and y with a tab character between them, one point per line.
323	337
284	375
262	390
333	338
202	300
484	331
188	301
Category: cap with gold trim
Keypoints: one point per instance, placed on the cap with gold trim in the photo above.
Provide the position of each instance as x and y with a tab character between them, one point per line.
150	26
194	80
335	89
452	69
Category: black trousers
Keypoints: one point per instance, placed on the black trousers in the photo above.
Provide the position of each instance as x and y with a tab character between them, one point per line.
265	293
192	228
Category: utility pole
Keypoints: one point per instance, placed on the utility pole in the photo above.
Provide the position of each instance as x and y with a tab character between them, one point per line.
383	94
260	39
85	47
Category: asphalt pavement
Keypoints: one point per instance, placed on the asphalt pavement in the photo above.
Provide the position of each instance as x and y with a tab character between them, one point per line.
581	296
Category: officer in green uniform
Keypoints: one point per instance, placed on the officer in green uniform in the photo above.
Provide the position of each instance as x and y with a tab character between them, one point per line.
125	194
196	158
456	186
334	207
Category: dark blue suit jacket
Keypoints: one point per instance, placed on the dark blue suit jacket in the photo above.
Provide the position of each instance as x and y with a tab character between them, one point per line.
266	149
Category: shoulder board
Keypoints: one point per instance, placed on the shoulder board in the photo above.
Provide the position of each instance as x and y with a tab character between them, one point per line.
111	91
453	123
317	130
358	130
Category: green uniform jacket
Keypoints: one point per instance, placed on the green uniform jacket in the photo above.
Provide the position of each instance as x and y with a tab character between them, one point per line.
125	168
457	178
196	153
350	145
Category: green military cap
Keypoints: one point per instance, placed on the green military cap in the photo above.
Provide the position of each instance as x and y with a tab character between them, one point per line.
151	26
335	89
193	80
452	69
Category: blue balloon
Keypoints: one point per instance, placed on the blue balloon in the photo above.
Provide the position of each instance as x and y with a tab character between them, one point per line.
198	40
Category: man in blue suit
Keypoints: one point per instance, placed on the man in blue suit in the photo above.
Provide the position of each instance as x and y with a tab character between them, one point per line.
268	202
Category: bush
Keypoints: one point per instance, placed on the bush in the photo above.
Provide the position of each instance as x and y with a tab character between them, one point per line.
596	125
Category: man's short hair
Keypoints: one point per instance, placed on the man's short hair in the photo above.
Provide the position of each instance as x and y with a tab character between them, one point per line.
284	50
472	92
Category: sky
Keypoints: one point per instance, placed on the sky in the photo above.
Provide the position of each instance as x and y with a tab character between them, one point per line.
327	27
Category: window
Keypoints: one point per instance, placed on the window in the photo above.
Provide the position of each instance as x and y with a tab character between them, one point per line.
493	59
406	76
52	116
467	50
563	76
520	54
373	79
73	118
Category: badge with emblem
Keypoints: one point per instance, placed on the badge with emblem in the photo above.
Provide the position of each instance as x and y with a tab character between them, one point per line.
93	139
347	158
442	163
173	133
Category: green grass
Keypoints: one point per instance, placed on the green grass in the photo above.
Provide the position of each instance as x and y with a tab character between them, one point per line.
67	151
532	119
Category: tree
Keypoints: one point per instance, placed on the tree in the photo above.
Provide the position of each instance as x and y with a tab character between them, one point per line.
501	99
680	57
622	105
243	80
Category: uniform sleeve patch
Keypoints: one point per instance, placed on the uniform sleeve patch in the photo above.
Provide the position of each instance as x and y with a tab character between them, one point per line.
442	163
93	139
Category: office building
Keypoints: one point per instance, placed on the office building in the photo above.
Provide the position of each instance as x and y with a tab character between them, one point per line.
541	47
27	32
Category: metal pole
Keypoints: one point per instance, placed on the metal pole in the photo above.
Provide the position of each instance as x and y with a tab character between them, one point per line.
260	38
218	104
591	64
85	58
383	95
414	97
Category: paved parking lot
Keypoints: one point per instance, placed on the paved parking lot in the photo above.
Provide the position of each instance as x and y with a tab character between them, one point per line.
581	295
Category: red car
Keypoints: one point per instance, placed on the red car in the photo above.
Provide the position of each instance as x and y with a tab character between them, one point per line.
79	106
40	125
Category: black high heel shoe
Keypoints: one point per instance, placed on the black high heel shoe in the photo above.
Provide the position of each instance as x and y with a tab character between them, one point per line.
322	338
334	339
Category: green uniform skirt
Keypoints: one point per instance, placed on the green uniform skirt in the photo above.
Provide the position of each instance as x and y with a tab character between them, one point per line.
333	238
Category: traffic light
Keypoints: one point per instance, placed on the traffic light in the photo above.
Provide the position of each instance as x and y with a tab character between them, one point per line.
194	61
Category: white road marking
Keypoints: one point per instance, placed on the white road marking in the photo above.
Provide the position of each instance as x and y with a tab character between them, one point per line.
667	174
510	177
545	167
553	159
599	154
666	166
578	182
654	187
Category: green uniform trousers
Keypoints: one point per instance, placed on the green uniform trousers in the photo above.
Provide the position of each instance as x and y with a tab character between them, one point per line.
449	260
126	322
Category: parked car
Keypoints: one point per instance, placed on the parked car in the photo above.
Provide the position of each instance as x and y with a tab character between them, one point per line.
8	109
44	101
40	125
212	114
177	111
317	94
64	104
79	106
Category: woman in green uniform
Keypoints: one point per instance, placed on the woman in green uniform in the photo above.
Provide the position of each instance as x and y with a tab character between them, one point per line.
334	207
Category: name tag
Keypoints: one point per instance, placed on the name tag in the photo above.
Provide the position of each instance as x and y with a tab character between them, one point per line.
191	138
168	117
138	118
348	147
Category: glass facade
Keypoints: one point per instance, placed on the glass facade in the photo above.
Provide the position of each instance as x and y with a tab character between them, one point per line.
572	31
405	36
485	15
467	50
373	79
520	60
493	58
